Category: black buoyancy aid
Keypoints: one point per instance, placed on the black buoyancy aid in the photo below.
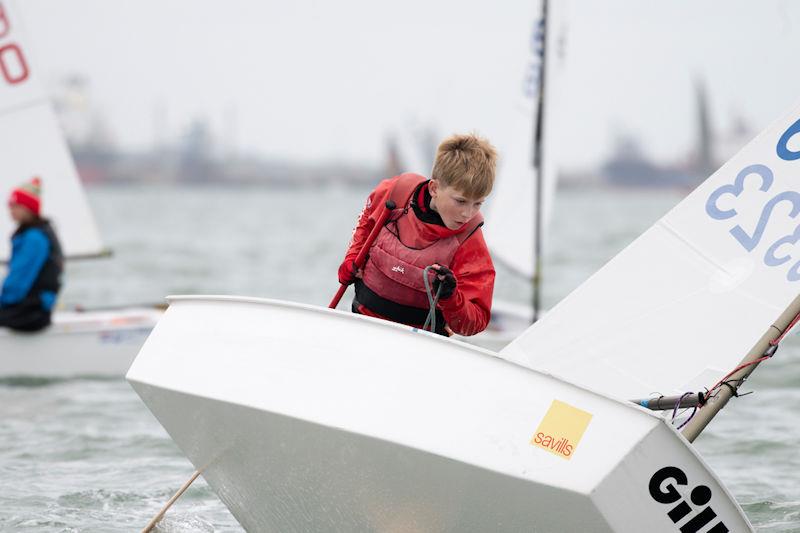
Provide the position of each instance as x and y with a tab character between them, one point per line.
49	278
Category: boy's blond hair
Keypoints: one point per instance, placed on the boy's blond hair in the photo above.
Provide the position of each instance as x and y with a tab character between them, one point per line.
467	163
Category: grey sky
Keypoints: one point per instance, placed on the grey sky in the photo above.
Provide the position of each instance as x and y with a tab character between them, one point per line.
329	79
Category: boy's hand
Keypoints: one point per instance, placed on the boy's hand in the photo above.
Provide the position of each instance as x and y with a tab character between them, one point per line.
446	279
348	272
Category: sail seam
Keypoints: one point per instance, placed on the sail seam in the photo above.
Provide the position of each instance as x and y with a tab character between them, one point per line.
21	107
699	252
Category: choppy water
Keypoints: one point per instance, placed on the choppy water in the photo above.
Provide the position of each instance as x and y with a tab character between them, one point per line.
86	455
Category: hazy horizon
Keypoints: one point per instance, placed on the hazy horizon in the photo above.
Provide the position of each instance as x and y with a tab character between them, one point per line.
321	82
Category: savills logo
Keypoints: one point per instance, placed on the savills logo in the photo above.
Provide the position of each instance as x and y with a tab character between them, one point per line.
663	490
560	446
561	429
398	268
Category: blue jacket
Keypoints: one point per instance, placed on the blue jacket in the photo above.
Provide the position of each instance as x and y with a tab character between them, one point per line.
31	247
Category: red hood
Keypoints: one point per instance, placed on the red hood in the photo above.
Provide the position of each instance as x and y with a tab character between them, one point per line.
435	231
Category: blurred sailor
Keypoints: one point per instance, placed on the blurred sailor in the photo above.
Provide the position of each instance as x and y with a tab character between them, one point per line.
31	286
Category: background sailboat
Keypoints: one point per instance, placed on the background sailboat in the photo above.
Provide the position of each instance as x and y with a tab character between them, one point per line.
85	342
522	202
519	204
33	145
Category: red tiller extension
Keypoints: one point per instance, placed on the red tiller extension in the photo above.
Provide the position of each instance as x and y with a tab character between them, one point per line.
362	255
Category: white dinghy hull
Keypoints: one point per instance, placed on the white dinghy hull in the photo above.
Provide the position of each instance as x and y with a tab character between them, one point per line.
308	419
78	343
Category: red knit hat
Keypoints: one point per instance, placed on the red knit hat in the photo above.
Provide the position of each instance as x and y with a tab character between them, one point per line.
28	195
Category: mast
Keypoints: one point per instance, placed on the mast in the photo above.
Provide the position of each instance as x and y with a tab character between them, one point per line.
538	129
705	144
764	348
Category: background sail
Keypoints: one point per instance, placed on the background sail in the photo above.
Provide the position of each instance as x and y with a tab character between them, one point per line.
31	144
416	146
510	218
681	306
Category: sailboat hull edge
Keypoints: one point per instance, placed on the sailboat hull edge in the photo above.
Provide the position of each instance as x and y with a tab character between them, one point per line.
78	343
307	419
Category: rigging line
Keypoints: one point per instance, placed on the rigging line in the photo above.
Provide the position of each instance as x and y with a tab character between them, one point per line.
694	412
432	300
157	518
755	356
724	380
733	386
678	404
768	353
675	413
794	321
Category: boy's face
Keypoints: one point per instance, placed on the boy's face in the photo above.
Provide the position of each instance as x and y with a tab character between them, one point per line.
20	214
455	208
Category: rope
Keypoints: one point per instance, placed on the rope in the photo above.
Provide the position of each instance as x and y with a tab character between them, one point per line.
768	353
724	381
678	405
733	385
431	300
150	525
694	411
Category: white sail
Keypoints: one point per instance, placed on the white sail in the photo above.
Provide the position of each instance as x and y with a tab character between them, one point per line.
681	306
416	146
31	144
511	215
